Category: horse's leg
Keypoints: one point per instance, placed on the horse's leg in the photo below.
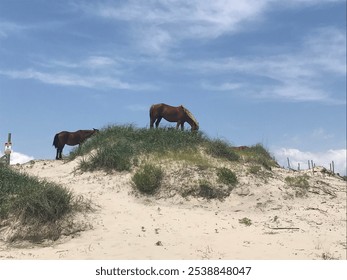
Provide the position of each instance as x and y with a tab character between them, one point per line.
180	124
157	122
151	123
56	157
61	152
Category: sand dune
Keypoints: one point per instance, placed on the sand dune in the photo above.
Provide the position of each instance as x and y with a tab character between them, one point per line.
130	226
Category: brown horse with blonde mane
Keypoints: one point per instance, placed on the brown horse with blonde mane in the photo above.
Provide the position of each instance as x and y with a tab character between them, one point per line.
70	138
179	114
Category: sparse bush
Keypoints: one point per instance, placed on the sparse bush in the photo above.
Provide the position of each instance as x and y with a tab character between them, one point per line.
148	179
254	169
245	221
259	155
300	183
35	203
206	190
221	149
117	156
226	176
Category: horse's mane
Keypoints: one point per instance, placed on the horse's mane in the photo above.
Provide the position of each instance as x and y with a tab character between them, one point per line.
190	115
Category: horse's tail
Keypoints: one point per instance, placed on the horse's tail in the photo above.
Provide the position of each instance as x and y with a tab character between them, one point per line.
56	140
151	110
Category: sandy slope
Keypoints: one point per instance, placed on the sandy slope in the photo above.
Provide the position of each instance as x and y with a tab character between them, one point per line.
129	226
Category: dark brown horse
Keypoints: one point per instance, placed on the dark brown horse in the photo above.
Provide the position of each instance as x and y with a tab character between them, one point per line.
70	138
179	114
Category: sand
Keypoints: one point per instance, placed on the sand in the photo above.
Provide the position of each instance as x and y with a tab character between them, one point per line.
126	225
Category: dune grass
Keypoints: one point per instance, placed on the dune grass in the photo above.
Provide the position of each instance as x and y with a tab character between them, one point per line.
148	179
118	147
34	203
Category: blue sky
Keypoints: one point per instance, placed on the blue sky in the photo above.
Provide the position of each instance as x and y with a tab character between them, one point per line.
251	71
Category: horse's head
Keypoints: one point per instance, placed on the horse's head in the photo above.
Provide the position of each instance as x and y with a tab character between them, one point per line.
191	120
195	126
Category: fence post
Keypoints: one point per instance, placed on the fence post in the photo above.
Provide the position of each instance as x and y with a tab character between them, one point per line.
333	167
288	163
308	163
8	150
312	166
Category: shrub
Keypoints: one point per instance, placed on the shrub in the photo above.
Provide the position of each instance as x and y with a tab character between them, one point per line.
226	176
206	190
35	208
245	221
259	155
254	169
148	179
300	183
32	199
117	156
221	149
47	203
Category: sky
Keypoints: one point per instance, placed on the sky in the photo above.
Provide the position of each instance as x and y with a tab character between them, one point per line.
251	71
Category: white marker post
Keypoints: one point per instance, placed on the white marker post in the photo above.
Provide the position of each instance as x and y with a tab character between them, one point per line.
8	149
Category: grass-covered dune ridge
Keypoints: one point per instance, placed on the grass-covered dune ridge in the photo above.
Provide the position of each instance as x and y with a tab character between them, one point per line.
120	148
177	162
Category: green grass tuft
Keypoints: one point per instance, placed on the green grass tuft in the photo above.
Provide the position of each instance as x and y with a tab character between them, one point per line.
36	203
221	149
226	176
148	179
300	183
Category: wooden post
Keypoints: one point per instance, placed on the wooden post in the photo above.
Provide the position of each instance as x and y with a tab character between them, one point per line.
8	149
298	166
333	165
288	163
312	167
308	163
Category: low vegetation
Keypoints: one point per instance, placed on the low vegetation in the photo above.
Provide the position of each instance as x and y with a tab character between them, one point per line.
227	177
300	184
245	221
119	147
142	150
148	179
37	207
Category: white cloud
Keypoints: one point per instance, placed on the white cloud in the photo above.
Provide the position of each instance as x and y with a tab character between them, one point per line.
157	26
7	28
98	62
222	87
68	79
319	158
19	158
296	76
